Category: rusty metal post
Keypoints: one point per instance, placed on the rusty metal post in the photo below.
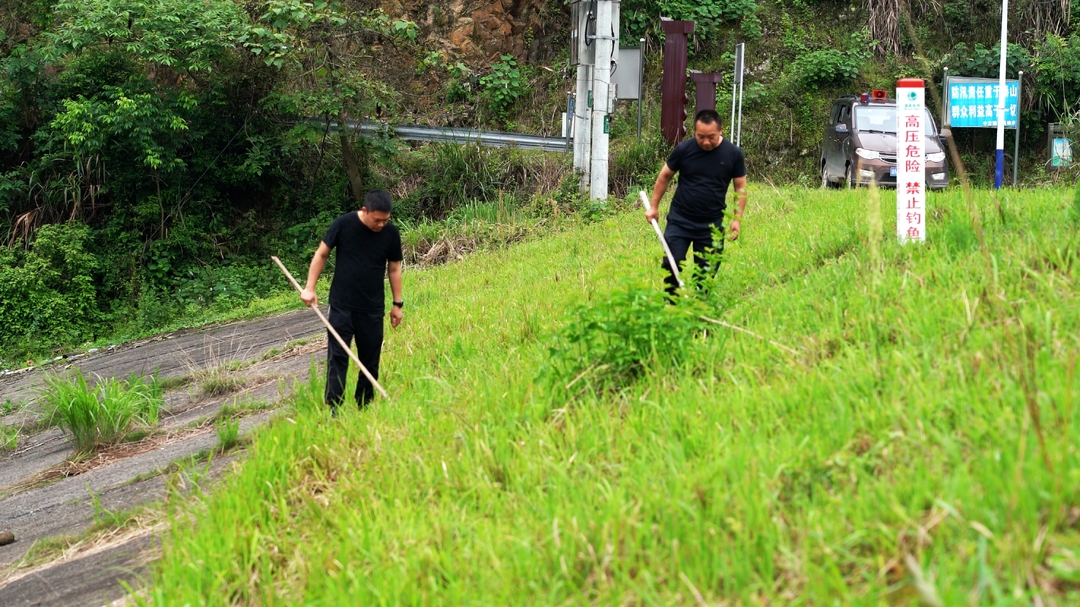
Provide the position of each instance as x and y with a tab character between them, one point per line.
673	97
705	86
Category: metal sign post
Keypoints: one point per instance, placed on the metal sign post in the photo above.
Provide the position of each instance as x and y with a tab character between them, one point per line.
740	51
910	157
1059	146
568	119
641	86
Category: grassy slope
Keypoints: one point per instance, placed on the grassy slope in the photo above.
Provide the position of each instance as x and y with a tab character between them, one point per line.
901	429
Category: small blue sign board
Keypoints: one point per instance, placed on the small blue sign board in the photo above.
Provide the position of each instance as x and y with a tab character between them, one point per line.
972	102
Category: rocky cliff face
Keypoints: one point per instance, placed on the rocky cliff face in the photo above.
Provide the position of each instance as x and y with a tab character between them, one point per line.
527	29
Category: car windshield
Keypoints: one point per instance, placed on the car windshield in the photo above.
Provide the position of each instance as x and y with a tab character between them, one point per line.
882	119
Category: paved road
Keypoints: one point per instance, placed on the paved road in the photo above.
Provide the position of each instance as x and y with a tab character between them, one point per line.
91	575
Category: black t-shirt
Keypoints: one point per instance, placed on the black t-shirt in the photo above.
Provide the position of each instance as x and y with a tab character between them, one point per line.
361	263
704	178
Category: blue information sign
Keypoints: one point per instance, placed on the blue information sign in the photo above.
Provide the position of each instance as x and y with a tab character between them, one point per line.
972	102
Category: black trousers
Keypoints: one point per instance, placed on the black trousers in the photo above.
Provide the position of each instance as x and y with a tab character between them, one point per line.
367	330
680	233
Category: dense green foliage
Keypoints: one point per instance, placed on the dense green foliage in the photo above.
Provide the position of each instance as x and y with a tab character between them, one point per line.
802	54
503	85
178	144
631	330
48	289
916	438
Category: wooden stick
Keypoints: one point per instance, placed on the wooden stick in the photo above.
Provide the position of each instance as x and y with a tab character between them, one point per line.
660	235
352	355
749	332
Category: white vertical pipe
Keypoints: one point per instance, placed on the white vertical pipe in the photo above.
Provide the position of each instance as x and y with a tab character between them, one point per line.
598	177
734	97
580	118
999	169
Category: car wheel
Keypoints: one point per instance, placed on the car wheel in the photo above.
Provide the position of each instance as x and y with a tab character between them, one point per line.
849	177
825	183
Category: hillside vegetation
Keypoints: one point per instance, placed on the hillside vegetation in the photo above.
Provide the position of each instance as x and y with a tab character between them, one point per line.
155	153
901	426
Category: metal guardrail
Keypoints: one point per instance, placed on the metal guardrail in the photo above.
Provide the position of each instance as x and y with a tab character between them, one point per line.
497	139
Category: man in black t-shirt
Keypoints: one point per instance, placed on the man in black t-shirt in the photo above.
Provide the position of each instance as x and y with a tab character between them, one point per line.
368	248
706	165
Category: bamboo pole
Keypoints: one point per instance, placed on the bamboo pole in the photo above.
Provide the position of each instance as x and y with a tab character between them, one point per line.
750	333
333	332
660	235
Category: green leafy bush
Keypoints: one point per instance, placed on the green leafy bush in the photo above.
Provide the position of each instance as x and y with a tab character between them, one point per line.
984	62
105	413
1057	72
48	291
640	16
828	67
503	86
623	333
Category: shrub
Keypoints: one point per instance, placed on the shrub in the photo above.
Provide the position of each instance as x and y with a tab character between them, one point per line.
639	16
984	62
826	67
48	291
833	66
503	86
623	333
105	413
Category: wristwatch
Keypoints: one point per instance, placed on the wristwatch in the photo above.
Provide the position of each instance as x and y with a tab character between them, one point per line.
399	304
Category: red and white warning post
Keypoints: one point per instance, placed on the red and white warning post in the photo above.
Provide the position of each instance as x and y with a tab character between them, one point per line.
910	160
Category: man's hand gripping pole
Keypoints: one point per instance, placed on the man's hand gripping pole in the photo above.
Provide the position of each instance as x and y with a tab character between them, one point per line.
352	355
660	235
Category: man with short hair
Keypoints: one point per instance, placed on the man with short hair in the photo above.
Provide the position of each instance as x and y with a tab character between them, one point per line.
368	248
706	165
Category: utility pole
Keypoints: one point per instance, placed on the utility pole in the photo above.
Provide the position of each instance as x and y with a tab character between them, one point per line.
606	40
583	55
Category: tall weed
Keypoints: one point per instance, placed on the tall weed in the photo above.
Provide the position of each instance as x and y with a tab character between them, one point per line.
9	438
626	331
636	164
1076	205
102	414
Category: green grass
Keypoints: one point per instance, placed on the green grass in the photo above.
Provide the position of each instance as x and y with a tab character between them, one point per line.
219	380
919	441
9	437
104	413
228	434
